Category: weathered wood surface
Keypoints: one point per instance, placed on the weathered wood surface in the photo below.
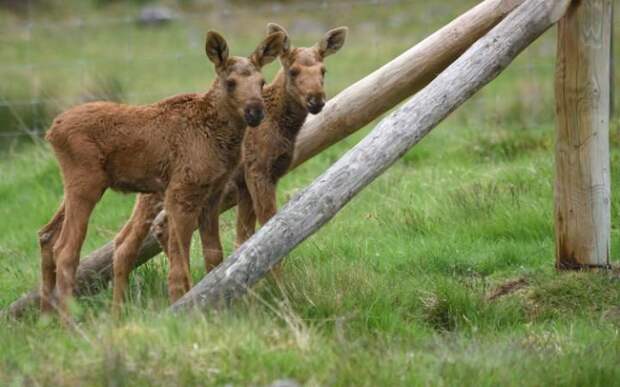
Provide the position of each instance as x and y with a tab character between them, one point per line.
612	74
394	136
347	112
582	87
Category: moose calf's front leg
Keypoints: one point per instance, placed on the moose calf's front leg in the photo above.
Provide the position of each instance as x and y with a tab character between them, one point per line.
263	191
181	224
246	217
210	231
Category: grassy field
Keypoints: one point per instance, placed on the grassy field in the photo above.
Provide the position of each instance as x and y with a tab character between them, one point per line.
403	287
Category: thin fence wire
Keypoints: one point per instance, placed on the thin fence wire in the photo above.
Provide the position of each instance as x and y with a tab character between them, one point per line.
82	64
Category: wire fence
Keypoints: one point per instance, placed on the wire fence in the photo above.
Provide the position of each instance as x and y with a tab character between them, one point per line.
27	107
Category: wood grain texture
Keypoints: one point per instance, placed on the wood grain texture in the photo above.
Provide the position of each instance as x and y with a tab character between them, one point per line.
347	112
390	139
582	88
612	73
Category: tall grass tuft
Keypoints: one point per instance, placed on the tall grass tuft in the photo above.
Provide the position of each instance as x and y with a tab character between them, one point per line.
24	118
105	88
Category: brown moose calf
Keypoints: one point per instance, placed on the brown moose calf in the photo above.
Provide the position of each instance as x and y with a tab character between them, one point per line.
182	149
267	152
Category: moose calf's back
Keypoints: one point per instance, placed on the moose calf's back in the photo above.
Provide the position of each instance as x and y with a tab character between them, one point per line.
138	147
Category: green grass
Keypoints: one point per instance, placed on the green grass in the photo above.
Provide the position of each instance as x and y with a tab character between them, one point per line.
395	290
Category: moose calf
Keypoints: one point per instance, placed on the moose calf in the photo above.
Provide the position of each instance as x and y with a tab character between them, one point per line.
268	151
182	149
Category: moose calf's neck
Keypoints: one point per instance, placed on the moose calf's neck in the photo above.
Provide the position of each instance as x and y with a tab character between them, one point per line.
283	109
227	126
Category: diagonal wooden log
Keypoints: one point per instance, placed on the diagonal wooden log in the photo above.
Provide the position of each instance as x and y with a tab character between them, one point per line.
347	112
393	137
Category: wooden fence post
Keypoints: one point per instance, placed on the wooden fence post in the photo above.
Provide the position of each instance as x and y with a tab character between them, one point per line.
612	74
582	182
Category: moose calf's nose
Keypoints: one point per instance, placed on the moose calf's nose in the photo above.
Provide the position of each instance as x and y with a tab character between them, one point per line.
315	103
254	114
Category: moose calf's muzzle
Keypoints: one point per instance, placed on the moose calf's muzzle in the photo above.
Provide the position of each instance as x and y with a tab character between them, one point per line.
254	114
315	103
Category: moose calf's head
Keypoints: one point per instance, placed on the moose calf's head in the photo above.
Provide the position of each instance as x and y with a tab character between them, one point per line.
304	67
241	77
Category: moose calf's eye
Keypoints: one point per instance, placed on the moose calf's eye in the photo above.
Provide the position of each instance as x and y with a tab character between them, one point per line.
230	85
294	72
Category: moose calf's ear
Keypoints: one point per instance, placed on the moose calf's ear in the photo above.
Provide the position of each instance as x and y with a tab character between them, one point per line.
272	28
268	49
216	48
332	41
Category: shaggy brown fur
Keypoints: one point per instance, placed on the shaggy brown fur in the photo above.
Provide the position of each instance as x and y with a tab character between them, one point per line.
268	151
182	148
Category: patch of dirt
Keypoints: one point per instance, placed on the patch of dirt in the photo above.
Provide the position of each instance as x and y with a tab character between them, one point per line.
507	288
612	315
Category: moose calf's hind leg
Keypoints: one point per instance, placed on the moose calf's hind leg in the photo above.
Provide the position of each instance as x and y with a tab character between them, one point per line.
69	244
48	236
125	254
160	229
128	242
